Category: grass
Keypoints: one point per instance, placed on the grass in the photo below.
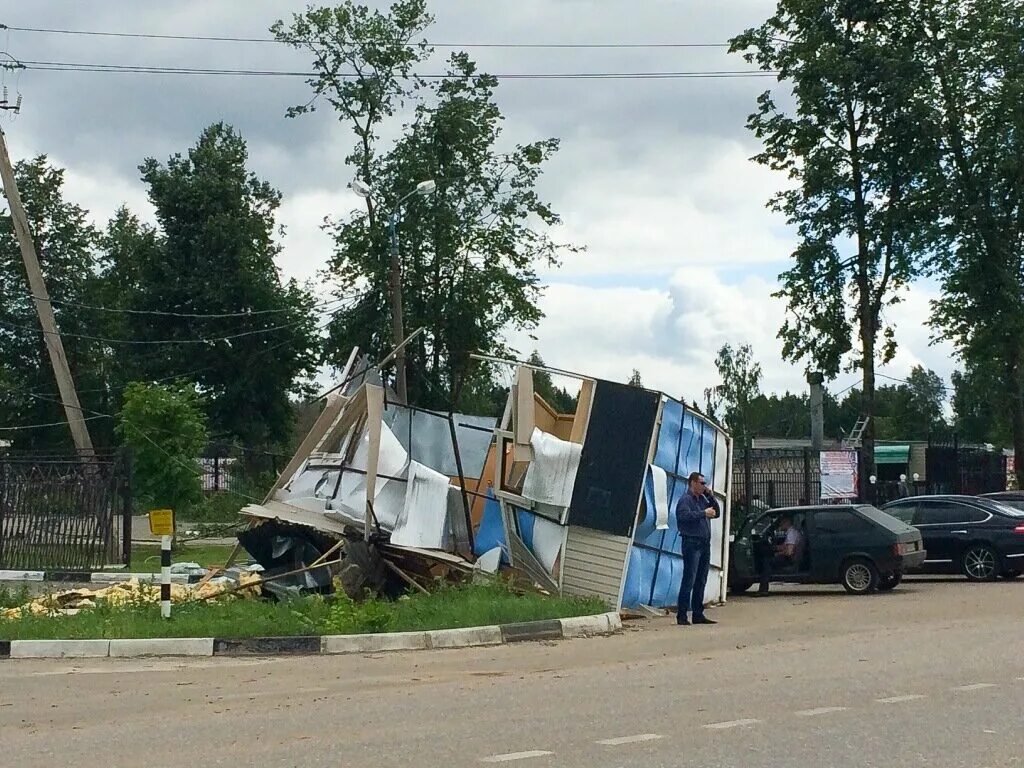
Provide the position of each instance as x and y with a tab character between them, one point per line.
447	608
146	557
12	597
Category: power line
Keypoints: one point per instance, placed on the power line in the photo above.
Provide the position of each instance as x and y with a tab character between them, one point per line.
229	39
64	66
53	423
161	313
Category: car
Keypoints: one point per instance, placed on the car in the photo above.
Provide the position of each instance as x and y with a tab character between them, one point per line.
855	545
982	538
1013	499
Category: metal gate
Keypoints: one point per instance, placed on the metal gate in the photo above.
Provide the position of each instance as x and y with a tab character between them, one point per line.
64	513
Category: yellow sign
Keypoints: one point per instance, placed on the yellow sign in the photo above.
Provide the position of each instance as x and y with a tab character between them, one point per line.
161	522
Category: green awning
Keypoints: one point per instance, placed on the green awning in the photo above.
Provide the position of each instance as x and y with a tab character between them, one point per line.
892	454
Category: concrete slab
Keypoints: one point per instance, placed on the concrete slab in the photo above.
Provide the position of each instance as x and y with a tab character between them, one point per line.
465	638
392	641
163	646
60	649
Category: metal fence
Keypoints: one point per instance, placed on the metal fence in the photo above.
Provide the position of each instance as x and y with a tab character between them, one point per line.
64	513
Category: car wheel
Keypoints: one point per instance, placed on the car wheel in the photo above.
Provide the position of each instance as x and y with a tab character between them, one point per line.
860	576
979	563
1010	574
890	581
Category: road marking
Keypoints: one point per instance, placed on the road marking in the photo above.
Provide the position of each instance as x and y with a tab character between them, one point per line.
819	711
630	739
731	724
899	699
515	756
973	687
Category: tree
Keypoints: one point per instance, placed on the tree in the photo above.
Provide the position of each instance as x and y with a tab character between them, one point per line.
469	254
741	384
635	380
557	397
214	254
975	90
978	415
855	146
66	245
165	429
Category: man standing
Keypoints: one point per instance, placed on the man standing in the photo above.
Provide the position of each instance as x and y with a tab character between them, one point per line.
693	512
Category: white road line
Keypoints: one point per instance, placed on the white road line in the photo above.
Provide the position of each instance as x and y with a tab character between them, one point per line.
630	739
515	756
731	724
973	687
819	711
900	699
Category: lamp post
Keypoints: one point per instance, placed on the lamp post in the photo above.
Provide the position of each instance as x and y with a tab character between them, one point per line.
422	189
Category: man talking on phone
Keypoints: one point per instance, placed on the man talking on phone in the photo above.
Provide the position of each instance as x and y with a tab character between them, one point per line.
694	513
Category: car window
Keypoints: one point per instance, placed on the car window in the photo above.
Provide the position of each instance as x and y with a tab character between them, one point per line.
839	521
902	512
948	513
1011	507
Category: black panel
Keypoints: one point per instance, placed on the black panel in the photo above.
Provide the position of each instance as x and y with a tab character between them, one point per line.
613	462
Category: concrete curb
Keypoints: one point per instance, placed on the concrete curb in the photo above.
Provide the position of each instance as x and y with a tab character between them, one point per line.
467	637
93	577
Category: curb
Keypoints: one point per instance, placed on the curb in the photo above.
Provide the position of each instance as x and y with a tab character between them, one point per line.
94	577
310	645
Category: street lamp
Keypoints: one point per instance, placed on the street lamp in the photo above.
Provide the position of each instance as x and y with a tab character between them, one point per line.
423	189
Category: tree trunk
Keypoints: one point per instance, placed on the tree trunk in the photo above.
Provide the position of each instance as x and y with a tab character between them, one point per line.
1017	417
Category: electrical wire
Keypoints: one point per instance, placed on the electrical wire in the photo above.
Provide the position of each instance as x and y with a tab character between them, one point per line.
229	39
64	66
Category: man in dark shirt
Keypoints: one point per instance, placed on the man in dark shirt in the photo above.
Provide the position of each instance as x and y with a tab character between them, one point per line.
694	512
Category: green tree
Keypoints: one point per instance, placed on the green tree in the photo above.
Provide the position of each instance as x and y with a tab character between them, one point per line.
855	146
214	254
557	397
978	415
975	89
741	385
165	429
66	245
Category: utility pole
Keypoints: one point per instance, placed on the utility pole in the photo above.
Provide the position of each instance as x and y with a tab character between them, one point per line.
816	380
54	345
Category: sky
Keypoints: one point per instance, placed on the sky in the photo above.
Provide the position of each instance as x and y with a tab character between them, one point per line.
653	177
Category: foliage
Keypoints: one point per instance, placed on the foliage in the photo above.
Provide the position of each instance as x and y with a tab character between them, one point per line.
855	150
978	415
741	384
975	91
165	429
12	597
215	253
66	245
446	608
557	397
469	253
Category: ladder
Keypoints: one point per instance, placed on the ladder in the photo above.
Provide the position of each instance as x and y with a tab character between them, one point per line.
853	439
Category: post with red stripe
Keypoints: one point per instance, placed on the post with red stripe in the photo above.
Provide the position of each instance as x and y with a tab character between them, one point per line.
161	523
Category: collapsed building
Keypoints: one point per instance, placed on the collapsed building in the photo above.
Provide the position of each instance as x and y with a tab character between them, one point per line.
577	503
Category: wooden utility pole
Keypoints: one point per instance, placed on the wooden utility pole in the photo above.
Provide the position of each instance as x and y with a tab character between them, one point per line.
54	345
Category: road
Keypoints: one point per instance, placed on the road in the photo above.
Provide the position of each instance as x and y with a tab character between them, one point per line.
930	675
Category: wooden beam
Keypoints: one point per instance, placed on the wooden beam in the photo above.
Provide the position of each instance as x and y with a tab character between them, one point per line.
525	416
582	418
374	417
309	443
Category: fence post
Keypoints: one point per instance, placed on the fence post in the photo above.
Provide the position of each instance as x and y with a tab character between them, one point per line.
748	470
807	476
126	507
216	472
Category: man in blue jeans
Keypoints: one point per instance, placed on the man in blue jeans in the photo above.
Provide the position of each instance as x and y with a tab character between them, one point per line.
694	512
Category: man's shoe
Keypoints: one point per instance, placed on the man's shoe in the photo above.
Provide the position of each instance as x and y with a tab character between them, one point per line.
761	593
683	622
703	620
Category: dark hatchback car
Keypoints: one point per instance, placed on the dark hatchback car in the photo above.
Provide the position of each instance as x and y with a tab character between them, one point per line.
978	537
857	546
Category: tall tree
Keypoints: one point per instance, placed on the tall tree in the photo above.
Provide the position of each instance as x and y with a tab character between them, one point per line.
67	248
469	254
978	413
741	385
854	149
217	234
972	53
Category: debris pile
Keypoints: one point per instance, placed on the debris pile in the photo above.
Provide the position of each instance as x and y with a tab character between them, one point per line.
72	601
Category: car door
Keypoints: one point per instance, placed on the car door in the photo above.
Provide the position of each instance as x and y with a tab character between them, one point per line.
943	526
833	534
743	565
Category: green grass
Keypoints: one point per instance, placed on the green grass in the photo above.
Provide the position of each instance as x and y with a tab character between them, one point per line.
447	608
146	557
12	597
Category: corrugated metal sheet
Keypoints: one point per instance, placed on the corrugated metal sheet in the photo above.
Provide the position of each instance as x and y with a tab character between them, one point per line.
593	564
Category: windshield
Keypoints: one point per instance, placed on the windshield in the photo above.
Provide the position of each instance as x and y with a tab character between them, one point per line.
1010	507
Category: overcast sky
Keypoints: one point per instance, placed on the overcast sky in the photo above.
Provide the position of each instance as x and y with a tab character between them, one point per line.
653	177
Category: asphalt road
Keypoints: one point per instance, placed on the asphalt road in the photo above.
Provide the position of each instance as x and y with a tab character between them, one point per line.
930	675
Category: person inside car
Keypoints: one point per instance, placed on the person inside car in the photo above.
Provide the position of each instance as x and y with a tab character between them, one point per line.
780	556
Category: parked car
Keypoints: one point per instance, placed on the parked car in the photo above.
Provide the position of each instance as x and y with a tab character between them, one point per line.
982	538
857	546
1013	499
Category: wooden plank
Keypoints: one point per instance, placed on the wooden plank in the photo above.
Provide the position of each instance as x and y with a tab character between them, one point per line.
374	417
525	416
311	441
579	423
